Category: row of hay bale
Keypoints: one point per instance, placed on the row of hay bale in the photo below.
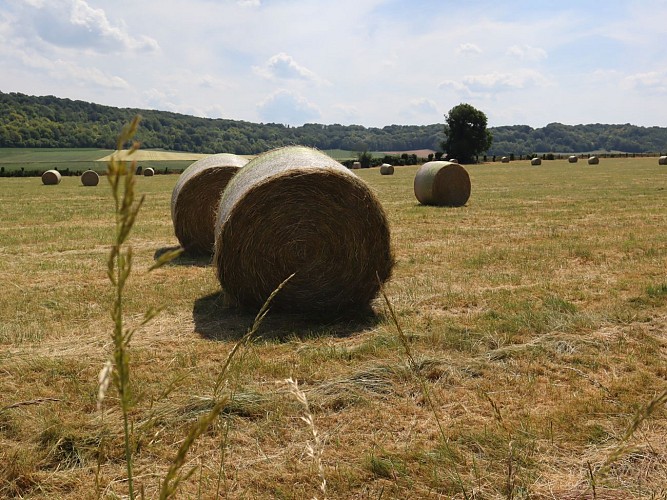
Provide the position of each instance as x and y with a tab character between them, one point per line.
295	210
88	178
593	160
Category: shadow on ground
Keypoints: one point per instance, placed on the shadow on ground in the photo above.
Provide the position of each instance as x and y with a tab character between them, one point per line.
184	259
214	320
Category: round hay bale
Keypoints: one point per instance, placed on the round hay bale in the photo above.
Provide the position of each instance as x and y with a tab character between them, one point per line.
149	172
593	160
296	210
90	178
356	165
536	161
386	169
573	159
452	160
51	177
442	183
662	160
505	159
195	198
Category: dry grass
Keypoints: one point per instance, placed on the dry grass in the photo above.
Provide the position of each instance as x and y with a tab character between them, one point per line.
148	155
536	316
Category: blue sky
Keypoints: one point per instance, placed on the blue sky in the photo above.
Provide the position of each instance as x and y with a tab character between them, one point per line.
366	62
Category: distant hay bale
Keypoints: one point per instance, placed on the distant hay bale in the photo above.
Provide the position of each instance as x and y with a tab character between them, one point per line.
296	210
90	178
356	165
442	183
505	159
536	161
149	172
662	160
195	198
573	159
386	169
51	177
593	160
452	160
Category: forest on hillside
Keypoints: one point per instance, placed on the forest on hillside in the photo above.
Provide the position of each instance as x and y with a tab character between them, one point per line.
52	122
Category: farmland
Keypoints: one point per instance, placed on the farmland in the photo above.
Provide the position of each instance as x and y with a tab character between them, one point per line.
535	317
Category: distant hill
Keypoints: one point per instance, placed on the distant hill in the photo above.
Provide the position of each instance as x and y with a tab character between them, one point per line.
52	122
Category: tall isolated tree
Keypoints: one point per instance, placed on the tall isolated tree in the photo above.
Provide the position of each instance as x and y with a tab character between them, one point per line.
466	133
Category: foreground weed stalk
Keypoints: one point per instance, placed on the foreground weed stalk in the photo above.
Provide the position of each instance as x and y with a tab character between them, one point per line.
424	387
119	266
316	449
174	477
623	447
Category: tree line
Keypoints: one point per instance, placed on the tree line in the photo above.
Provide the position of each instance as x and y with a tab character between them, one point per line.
52	122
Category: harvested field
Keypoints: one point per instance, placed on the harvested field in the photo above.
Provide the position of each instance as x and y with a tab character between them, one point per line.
536	317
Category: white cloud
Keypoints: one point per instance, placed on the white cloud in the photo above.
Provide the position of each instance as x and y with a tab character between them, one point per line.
652	81
286	107
249	3
527	53
71	72
424	106
468	48
283	67
497	81
75	24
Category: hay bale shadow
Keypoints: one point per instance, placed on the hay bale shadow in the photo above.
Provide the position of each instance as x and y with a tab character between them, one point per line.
215	320
184	259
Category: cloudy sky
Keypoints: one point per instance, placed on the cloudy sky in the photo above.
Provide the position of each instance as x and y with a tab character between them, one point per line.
366	62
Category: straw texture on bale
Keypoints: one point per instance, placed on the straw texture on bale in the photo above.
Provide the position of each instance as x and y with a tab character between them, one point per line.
356	165
296	210
573	159
386	169
194	200
149	172
90	178
505	159
442	183
536	161
662	160
51	177
593	160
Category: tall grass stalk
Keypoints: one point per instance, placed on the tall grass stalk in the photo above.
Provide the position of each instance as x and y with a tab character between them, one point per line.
314	449
173	477
119	266
623	447
424	387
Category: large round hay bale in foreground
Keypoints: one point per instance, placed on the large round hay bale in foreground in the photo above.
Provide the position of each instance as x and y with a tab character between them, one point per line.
573	159
536	161
51	177
593	160
442	183
386	169
195	198
662	160
149	172
296	210
90	178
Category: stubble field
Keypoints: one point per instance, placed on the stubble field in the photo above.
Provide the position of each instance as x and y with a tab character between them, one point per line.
536	316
